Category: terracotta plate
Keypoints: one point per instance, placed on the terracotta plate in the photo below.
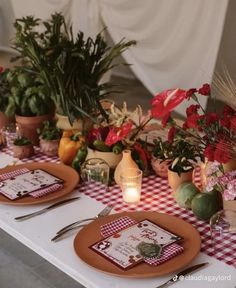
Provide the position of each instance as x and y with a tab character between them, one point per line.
66	173
91	234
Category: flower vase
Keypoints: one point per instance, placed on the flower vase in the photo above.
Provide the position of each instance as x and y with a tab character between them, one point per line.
174	179
125	163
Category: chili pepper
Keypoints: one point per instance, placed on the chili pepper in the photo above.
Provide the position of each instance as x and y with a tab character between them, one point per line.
118	148
101	146
79	158
69	144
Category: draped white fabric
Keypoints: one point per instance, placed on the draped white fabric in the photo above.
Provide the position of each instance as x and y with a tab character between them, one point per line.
177	40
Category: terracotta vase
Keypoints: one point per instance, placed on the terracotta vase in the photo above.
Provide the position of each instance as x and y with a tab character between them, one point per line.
125	163
160	167
27	126
23	151
49	147
175	180
80	125
111	158
4	120
230	211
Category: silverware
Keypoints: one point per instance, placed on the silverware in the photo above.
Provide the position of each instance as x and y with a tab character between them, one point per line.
53	206
104	212
181	274
77	224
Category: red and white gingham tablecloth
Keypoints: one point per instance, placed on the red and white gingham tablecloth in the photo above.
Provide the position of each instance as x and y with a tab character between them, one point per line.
156	196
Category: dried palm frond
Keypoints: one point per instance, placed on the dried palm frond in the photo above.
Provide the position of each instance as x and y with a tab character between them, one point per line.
225	87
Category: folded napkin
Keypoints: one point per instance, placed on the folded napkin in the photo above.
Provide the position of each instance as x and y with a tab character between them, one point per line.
115	226
35	194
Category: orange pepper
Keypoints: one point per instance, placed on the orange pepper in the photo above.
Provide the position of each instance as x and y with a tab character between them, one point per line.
69	145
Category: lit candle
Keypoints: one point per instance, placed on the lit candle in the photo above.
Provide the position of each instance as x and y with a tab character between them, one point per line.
131	194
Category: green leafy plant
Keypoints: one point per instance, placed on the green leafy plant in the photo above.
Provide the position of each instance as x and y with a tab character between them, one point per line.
28	95
71	67
4	89
50	131
21	141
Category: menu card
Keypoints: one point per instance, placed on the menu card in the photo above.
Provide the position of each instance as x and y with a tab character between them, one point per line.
21	185
122	248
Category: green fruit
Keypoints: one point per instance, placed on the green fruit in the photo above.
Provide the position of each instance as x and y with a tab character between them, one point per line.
204	205
185	193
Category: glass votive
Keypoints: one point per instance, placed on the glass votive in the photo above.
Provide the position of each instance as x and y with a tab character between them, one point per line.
223	229
10	132
131	184
95	171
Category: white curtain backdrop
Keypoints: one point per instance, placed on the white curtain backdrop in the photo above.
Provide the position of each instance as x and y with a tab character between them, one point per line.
177	40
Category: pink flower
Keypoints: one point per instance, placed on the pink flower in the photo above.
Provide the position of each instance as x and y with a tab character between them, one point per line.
1	69
166	101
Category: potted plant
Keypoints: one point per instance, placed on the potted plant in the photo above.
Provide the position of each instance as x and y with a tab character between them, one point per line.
29	100
49	137
22	148
4	98
160	154
71	67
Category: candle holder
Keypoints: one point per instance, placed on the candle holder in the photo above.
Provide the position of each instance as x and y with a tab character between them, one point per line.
130	183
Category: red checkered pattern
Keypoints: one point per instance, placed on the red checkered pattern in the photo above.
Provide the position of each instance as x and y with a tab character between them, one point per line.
156	196
11	174
121	223
116	226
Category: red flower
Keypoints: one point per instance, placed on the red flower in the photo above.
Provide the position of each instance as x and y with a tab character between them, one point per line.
222	152
233	123
225	122
192	109
118	133
209	153
1	69
205	90
171	134
190	92
211	118
166	101
192	121
228	111
165	119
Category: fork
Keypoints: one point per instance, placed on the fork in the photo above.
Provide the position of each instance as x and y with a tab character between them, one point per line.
104	212
77	224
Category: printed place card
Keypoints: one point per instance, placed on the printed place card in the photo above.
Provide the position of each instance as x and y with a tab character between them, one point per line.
21	185
122	248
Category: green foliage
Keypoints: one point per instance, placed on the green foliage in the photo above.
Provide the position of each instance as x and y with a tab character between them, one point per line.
50	131
4	91
28	95
181	154
21	141
71	67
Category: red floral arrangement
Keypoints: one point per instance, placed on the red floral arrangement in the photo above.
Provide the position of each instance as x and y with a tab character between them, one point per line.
213	133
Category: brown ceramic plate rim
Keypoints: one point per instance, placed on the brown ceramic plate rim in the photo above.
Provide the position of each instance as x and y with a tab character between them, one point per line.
91	234
69	176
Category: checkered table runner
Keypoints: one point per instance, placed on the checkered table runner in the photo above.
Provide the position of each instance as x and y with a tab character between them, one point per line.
156	196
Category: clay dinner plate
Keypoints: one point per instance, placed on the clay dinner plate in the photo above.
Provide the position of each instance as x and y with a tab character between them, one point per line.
66	173
91	234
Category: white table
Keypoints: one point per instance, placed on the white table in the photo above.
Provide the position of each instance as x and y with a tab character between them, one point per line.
37	232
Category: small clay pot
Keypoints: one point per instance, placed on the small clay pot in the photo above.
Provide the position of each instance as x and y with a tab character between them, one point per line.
160	167
175	180
49	147
23	151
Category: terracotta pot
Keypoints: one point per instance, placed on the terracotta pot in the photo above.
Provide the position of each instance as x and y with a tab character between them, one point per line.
28	126
160	167
230	209
175	180
4	120
125	163
80	125
111	158
23	151
49	147
229	205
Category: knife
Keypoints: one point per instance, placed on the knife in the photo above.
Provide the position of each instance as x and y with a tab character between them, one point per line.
53	206
181	274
